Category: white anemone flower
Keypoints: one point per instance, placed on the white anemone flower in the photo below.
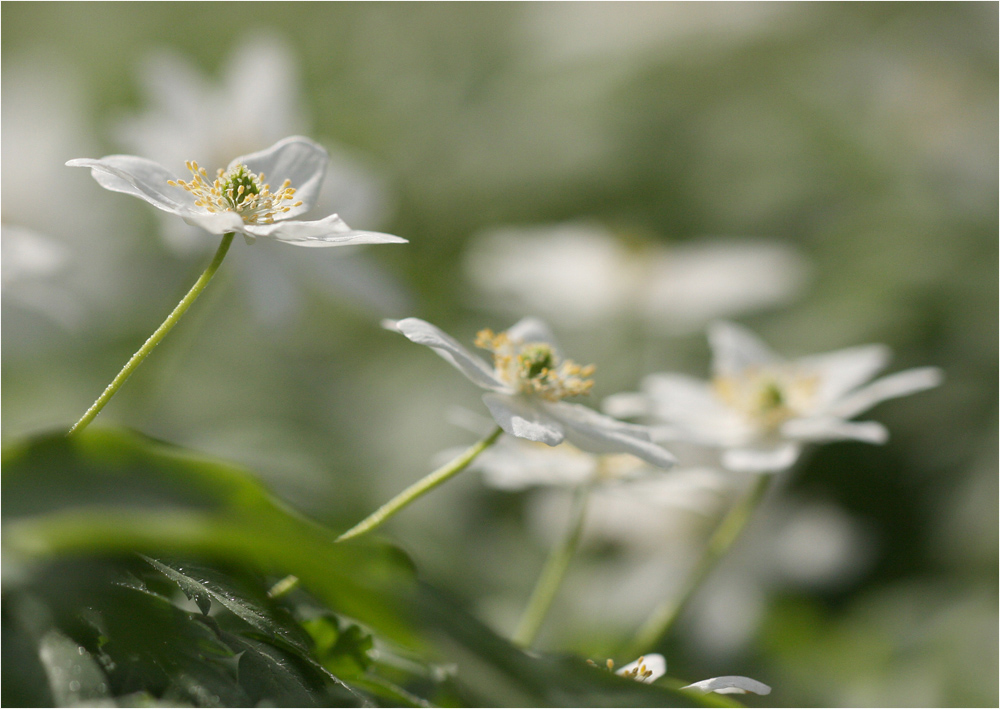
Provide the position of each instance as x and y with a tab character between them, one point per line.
526	385
760	409
582	274
650	668
239	199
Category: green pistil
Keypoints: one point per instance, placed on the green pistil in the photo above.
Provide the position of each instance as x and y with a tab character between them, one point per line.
535	360
239	177
771	397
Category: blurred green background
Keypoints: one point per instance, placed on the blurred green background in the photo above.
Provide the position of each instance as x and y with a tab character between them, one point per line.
861	139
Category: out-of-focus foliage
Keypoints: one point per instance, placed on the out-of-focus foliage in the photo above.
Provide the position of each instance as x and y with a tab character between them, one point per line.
861	139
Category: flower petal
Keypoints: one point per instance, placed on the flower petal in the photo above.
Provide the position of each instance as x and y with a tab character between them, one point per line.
147	180
841	371
516	464
590	431
330	231
746	460
735	348
653	663
532	330
423	333
890	387
829	428
627	405
298	159
732	684
522	420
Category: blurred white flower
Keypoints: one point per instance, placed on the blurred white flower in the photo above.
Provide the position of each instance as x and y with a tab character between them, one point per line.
31	265
650	668
647	668
526	385
239	200
582	275
190	115
760	408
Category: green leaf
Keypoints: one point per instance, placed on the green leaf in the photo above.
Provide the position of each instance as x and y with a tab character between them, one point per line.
106	490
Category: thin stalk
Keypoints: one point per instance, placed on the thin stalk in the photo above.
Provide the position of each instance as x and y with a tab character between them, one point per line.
553	573
729	529
420	488
155	338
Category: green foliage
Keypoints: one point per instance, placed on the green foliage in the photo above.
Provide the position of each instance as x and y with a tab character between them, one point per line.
89	617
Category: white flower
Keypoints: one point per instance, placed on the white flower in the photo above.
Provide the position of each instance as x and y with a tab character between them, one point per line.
761	408
732	684
583	275
647	668
239	199
650	668
526	385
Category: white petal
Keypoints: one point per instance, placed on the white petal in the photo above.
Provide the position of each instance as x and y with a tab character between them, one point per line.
216	222
330	231
590	431
839	372
140	178
730	685
890	387
423	333
532	330
520	419
746	460
627	405
654	663
691	407
298	159
735	348
834	429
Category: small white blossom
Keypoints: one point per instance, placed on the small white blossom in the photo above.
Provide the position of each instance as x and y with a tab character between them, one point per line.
647	668
239	199
526	385
761	408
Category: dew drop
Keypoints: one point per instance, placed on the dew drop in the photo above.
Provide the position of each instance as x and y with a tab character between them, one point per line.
74	686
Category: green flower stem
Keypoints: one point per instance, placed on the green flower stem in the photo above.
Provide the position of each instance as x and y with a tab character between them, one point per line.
284	587
553	573
158	335
420	488
662	619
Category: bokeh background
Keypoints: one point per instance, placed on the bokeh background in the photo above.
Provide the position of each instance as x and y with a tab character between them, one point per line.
825	174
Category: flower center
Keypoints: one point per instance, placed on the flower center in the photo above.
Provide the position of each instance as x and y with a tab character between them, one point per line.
238	190
769	398
534	368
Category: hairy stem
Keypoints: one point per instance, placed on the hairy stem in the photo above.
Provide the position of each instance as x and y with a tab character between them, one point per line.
155	338
420	488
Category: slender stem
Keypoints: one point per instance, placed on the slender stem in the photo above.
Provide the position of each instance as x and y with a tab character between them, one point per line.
662	619
553	573
284	587
420	488
158	335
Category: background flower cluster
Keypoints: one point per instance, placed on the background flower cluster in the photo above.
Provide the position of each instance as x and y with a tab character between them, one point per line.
824	174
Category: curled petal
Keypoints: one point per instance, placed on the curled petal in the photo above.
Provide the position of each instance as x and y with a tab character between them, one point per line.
835	429
590	431
732	684
423	333
890	387
745	460
297	159
330	231
522	420
735	349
